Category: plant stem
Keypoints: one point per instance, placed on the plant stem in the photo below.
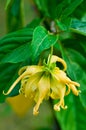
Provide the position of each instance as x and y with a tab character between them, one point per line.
49	59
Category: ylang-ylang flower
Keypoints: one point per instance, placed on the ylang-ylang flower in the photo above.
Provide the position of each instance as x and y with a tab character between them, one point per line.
39	82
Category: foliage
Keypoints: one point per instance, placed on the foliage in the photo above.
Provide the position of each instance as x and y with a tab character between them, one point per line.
61	23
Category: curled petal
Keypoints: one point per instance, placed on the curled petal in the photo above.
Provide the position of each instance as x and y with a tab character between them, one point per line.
74	90
55	59
60	104
69	81
75	84
30	70
22	70
43	91
15	83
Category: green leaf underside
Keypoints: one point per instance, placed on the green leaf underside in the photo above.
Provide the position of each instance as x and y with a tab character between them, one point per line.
41	40
78	27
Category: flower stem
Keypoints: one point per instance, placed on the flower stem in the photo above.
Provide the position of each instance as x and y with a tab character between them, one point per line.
51	53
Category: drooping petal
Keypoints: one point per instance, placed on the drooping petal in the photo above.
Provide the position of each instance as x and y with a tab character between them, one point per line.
55	59
31	84
58	92
71	85
15	83
54	88
59	75
59	105
74	90
43	92
62	77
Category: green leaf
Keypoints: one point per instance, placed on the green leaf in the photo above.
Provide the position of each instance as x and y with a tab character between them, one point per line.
7	3
42	40
52	10
42	6
72	6
35	22
83	44
65	24
17	55
20	36
60	7
79	27
74	114
14	47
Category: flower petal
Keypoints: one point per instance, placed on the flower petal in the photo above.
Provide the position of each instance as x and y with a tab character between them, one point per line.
55	59
54	88
74	90
43	91
34	69
15	83
22	70
58	90
60	104
59	75
31	84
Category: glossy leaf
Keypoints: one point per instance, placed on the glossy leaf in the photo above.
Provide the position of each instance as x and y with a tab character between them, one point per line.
42	40
19	54
15	46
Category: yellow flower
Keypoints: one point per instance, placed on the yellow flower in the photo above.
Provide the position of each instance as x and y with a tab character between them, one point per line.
44	81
